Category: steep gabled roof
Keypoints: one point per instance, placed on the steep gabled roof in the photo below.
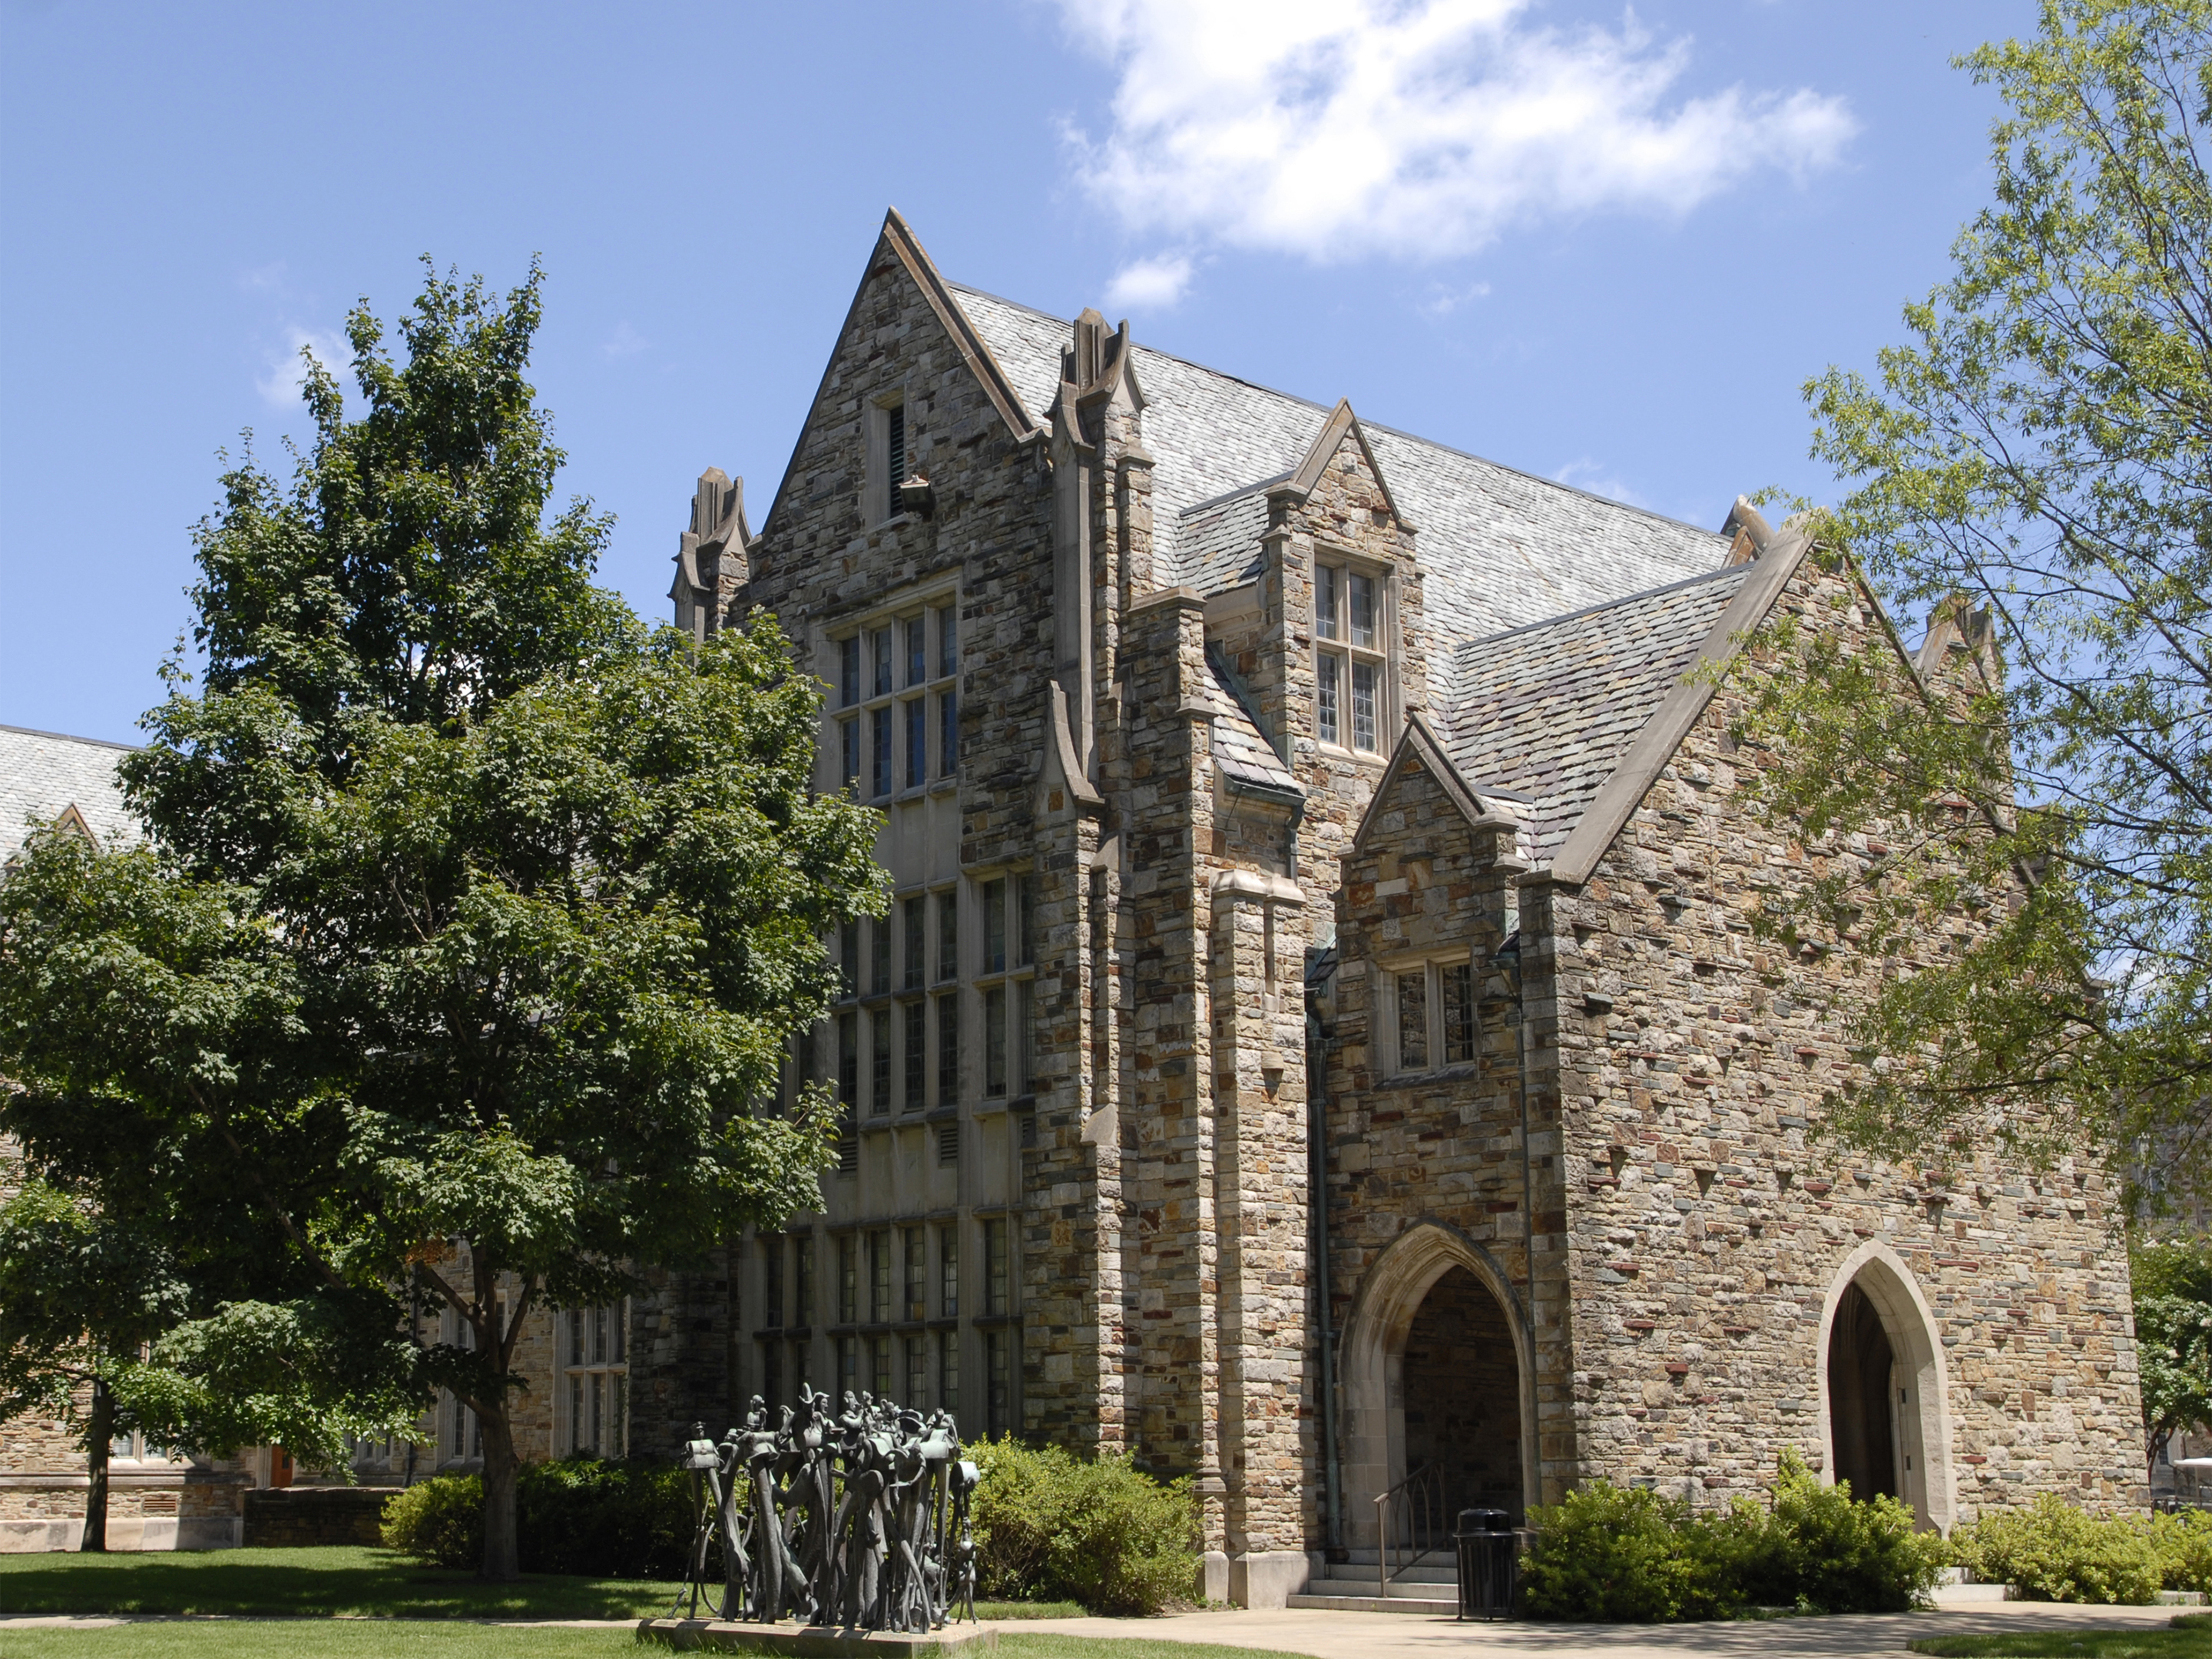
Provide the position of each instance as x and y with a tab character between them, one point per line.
1244	757
43	774
1547	711
1498	549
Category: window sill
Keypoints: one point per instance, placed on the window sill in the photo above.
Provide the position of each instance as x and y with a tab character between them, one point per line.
1458	1072
1374	757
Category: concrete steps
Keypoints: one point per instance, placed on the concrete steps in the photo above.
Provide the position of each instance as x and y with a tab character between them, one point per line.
1429	1586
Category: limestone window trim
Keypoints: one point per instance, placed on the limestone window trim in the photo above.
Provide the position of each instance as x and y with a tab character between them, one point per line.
593	1399
893	725
1427	1014
1357	653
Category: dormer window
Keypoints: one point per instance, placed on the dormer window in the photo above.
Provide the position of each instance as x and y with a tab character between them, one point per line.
1351	658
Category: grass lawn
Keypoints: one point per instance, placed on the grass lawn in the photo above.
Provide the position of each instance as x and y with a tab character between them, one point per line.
292	1638
2189	1637
350	1580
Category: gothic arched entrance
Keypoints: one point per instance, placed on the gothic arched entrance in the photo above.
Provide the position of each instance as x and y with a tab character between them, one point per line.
1463	1396
1436	1365
1885	1416
1861	1427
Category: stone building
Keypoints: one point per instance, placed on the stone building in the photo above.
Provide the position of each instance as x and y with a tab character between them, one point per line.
1279	804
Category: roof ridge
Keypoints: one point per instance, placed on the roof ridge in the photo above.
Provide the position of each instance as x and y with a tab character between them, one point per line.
71	736
1227	495
1372	425
1602	604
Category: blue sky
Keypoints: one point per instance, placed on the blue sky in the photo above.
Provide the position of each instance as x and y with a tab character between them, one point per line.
1597	245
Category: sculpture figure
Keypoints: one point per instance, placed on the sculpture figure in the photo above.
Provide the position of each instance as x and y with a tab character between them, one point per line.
857	1517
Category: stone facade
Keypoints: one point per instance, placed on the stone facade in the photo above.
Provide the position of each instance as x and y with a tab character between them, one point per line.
1364	827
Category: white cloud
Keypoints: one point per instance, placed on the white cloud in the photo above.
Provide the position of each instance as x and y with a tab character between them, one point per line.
1442	299
280	386
1150	284
624	341
1414	129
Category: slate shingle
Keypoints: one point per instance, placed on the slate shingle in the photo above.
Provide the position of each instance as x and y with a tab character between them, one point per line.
1546	712
43	773
1498	549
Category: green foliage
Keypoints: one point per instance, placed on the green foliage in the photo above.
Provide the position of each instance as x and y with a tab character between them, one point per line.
591	1517
2032	461
473	911
2187	1637
2184	1542
1053	1526
1612	1555
2052	1551
2172	1284
1609	1554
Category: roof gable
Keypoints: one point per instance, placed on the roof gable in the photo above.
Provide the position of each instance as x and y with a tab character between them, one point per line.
1342	423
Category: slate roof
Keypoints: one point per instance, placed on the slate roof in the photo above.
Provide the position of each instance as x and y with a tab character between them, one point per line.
1239	751
1498	549
42	773
1546	712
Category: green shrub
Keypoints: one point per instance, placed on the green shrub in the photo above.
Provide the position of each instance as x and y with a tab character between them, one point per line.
1826	1550
2051	1551
598	1519
2184	1543
1630	1555
1052	1526
1612	1554
439	1522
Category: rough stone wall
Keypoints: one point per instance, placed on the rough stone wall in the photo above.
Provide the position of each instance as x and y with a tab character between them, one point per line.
1709	1221
1689	1226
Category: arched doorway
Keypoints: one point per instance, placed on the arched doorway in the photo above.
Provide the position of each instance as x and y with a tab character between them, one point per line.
1463	1396
1861	1427
1885	1411
1435	1364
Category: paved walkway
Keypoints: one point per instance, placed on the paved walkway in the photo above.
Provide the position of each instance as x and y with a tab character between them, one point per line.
1404	1636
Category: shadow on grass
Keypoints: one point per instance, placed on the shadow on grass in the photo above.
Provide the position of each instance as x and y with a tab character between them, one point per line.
374	1583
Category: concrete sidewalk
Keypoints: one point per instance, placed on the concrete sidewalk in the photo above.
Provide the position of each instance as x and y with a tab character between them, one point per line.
1402	1636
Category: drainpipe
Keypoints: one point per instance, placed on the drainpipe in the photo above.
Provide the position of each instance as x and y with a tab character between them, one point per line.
1508	958
1317	1200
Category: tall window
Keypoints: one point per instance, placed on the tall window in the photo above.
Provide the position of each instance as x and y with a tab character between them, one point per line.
911	942
881	1378
1432	1015
1349	658
880	1277
805	1297
948	1272
948	1370
914	1250
597	1369
848	1280
897	715
1006	981
880	958
948	935
772	1279
998	1405
997	1269
914	1019
848	1366
848	1059
917	1372
948	1049
895	469
880	1062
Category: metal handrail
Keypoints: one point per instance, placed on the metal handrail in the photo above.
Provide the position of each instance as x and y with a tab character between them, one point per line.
1419	1498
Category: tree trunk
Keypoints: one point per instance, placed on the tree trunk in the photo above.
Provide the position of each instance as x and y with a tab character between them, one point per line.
98	1433
502	1560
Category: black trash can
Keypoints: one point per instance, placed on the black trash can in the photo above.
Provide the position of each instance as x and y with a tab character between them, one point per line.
1489	1554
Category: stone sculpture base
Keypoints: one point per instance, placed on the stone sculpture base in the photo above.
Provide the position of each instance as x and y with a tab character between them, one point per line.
818	1641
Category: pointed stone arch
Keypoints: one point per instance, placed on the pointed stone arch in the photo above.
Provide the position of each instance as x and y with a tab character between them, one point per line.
1370	1362
1923	1419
